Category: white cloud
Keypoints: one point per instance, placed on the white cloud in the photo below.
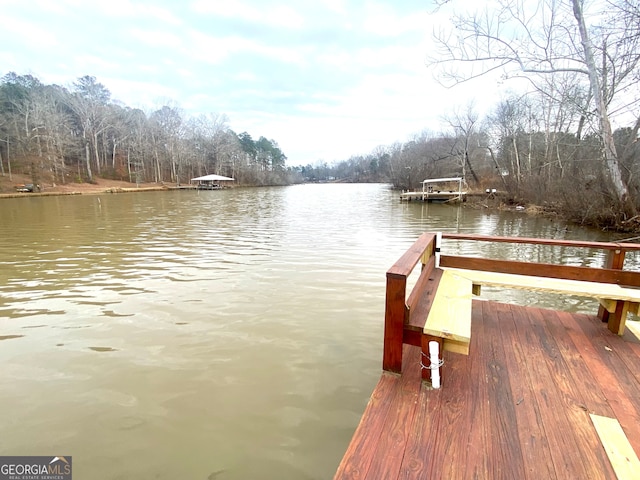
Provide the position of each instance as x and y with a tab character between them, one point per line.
212	49
131	9
284	16
261	13
245	76
209	49
58	8
93	63
156	38
228	8
162	14
31	34
335	58
336	6
382	20
138	93
9	60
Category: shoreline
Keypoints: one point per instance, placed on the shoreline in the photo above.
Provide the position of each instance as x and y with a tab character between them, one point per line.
94	189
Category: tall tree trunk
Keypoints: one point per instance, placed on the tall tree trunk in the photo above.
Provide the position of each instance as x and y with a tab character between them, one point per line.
95	148
129	164
157	167
88	159
34	178
517	158
612	165
473	173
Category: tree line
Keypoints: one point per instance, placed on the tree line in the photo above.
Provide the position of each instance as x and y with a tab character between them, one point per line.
60	135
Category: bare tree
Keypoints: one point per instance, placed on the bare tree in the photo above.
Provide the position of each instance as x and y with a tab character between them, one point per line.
89	103
464	126
217	146
543	38
166	132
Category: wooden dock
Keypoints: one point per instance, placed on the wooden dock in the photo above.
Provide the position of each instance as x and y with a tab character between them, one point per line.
436	197
438	190
543	394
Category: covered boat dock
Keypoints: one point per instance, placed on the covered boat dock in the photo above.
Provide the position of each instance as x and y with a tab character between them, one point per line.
448	189
212	182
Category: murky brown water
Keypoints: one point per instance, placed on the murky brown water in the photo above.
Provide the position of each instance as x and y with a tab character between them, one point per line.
204	335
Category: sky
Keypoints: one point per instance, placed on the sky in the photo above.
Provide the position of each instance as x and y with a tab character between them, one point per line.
326	80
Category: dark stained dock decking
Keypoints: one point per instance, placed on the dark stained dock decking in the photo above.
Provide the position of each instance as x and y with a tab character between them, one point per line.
516	408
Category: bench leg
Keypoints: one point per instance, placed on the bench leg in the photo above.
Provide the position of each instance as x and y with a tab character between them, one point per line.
603	314
617	320
425	361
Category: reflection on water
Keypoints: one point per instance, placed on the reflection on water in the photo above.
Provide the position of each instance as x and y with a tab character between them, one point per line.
216	334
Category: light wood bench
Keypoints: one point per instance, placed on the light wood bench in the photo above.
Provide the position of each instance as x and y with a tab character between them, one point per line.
449	317
608	294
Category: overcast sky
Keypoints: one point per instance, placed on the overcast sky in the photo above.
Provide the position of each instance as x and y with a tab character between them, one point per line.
326	79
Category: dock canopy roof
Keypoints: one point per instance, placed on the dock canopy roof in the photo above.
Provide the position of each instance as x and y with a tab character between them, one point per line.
212	178
436	180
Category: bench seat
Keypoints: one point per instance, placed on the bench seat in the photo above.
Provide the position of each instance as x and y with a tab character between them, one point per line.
608	294
449	317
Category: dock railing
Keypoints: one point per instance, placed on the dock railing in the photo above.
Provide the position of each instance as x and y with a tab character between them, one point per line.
405	311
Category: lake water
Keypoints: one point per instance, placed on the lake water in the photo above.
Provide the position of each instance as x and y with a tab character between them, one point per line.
231	334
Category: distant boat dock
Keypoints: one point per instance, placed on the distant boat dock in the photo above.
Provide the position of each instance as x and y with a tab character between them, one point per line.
212	182
438	190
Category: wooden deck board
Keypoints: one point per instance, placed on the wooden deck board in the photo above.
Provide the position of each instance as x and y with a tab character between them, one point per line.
517	407
591	396
566	415
480	445
536	455
611	371
622	457
507	457
617	401
389	452
420	446
356	461
451	439
558	427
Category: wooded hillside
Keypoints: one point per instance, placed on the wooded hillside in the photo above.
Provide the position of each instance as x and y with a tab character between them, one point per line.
60	135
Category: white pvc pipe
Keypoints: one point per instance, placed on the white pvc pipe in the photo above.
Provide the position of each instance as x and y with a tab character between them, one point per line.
434	358
438	243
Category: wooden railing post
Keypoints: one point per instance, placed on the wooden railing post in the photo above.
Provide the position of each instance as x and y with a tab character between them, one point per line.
614	260
394	318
